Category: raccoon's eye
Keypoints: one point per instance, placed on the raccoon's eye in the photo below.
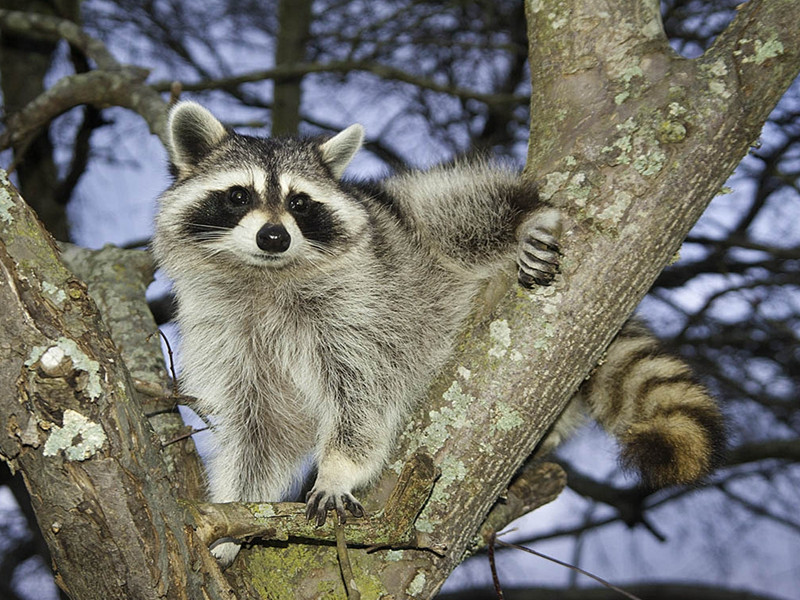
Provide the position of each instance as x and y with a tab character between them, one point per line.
299	203
238	196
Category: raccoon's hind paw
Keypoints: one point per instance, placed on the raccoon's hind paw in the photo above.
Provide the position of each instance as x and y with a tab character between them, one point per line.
225	552
539	250
319	502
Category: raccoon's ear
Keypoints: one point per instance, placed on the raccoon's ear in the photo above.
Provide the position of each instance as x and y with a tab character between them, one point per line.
192	133
338	151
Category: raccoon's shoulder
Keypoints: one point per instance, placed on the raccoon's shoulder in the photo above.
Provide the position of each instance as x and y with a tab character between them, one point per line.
382	204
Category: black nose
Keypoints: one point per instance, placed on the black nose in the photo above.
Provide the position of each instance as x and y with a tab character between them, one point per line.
273	238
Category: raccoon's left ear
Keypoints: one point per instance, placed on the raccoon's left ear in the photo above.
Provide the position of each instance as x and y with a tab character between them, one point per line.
338	151
193	132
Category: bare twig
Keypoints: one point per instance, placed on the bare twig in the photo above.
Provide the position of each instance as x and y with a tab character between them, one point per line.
569	566
493	567
344	562
381	70
184	436
171	362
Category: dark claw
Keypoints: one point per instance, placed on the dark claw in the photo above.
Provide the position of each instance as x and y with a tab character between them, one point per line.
542	245
528	281
354	506
319	503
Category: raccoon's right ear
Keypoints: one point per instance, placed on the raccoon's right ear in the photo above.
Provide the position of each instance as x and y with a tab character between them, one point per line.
338	151
192	133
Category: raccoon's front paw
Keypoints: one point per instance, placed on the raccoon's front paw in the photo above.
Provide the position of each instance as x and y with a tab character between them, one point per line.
225	552
319	502
539	250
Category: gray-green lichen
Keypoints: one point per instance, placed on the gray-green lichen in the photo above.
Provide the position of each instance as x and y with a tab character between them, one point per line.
764	50
417	584
651	162
545	332
716	73
78	437
553	182
621	97
55	293
80	362
631	72
508	418
6	201
452	471
452	415
393	555
500	333
671	132
574	185
261	511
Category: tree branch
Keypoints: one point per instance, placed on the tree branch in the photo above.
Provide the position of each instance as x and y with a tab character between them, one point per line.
39	25
123	87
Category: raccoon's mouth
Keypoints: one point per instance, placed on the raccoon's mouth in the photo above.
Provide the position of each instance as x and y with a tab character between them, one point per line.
269	258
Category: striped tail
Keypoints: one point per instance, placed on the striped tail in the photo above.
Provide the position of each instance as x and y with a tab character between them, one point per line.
668	426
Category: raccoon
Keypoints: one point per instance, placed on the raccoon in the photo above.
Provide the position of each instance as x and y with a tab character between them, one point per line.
315	311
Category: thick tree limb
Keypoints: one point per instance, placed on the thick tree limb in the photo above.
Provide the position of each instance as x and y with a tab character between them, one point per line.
71	424
117	280
391	527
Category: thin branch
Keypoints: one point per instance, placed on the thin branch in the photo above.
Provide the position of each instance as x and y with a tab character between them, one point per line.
493	566
759	510
569	566
380	70
392	527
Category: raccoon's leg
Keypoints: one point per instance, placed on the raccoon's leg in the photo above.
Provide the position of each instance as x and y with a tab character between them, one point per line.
473	215
247	468
669	428
354	445
538	248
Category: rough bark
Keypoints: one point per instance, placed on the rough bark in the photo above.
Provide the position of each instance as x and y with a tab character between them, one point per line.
72	425
629	139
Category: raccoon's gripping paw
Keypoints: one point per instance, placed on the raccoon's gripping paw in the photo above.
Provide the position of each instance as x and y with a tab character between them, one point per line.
539	250
319	502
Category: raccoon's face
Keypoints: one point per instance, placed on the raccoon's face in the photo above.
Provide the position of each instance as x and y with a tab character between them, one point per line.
261	202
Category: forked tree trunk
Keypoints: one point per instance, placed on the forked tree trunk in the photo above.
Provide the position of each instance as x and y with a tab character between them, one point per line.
631	140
